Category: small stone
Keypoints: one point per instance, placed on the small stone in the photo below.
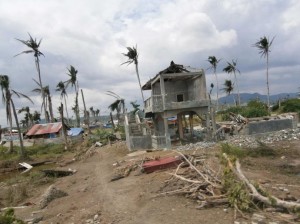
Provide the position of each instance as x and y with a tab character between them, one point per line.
96	217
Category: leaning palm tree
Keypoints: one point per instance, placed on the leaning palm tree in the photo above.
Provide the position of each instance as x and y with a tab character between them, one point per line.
228	88
72	73
231	68
132	55
33	46
214	63
118	105
264	45
7	94
63	94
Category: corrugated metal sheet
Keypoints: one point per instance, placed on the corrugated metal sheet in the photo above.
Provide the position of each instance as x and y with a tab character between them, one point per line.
41	129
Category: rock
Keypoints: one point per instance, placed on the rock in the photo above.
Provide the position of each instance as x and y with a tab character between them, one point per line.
51	194
257	218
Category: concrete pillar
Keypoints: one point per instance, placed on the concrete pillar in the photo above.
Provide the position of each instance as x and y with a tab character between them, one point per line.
191	124
179	120
162	90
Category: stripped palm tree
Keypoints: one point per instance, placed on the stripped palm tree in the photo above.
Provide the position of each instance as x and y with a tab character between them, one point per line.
33	46
93	112
214	63
97	112
231	68
63	94
7	94
132	55
48	101
228	88
72	73
264	45
28	118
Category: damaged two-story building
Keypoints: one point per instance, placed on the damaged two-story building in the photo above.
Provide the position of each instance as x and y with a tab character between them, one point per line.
175	92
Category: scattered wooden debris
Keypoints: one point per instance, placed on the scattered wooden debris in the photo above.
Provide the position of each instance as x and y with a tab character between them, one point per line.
27	166
202	184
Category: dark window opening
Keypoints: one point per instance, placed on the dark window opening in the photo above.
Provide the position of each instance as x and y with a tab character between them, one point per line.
179	97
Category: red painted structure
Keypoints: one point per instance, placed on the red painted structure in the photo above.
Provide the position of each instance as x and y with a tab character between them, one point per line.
160	164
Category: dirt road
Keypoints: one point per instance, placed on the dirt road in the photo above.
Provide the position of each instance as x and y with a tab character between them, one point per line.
93	198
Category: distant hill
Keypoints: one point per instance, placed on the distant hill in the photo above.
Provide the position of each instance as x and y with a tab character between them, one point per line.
246	97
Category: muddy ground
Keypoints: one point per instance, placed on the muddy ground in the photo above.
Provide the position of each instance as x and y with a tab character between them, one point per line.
94	198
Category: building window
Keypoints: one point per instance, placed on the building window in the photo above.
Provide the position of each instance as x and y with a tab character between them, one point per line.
179	97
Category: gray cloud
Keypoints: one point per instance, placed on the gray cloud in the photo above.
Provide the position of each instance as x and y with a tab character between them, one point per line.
92	35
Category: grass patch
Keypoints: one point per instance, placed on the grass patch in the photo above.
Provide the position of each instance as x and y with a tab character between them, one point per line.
261	151
233	151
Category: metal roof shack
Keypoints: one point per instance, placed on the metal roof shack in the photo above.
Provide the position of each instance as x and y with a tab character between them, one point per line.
49	130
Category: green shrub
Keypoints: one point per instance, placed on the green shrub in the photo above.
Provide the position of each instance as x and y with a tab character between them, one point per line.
254	108
291	105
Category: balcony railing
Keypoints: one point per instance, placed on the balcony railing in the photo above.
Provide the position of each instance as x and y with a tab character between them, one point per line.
155	103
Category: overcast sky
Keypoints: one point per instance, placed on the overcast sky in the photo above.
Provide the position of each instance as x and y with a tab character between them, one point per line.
91	35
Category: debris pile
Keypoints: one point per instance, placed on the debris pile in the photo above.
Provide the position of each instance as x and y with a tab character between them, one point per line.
252	141
196	180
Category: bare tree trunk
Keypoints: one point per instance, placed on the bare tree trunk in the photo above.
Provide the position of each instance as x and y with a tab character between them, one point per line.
86	114
268	88
50	108
63	125
77	110
37	64
112	121
22	150
66	108
138	76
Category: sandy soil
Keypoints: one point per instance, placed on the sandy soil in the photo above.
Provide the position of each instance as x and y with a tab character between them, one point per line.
93	198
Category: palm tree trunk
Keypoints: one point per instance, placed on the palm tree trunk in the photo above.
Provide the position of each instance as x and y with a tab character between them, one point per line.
63	125
11	144
66	108
138	76
50	109
217	89
22	151
238	90
268	88
77	110
86	114
37	64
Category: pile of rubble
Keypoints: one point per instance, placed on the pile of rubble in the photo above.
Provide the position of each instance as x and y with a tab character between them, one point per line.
247	141
252	141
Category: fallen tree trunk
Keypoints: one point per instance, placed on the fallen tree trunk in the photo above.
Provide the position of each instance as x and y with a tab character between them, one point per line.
271	200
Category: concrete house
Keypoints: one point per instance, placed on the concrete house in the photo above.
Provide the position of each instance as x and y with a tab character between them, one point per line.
175	92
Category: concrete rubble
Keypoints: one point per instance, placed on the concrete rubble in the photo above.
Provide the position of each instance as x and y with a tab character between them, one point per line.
247	141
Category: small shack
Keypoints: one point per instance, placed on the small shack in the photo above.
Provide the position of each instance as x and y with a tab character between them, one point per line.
45	131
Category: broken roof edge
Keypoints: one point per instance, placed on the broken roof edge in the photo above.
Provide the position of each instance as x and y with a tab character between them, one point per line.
156	78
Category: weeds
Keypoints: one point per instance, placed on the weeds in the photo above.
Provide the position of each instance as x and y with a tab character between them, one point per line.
8	217
16	193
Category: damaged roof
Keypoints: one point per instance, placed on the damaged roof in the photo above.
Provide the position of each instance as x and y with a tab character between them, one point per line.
172	69
41	129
